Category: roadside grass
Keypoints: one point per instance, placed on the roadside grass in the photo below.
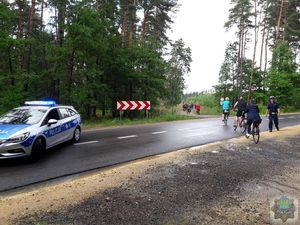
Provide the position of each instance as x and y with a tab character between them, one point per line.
95	123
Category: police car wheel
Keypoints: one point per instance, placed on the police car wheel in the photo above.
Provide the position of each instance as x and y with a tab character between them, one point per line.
77	134
37	149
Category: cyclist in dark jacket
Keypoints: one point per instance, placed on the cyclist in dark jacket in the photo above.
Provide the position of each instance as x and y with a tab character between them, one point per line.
253	116
241	106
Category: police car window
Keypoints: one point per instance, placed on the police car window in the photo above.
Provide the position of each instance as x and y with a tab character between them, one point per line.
72	112
53	114
23	116
64	113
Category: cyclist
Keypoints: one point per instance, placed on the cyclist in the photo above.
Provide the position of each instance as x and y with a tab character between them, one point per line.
241	106
273	110
253	116
226	107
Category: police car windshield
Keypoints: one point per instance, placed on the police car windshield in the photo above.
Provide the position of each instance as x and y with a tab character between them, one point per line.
23	116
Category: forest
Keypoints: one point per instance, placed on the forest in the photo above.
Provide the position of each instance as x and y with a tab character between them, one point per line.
264	58
90	53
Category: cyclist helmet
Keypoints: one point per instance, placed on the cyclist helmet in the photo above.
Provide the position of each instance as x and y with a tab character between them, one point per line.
271	97
226	98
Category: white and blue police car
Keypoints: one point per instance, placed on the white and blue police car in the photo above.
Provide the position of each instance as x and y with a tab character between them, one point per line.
38	125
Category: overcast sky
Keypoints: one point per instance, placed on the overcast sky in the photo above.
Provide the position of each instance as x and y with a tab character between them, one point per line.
201	25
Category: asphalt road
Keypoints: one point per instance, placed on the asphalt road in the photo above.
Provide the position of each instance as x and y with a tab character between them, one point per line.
102	148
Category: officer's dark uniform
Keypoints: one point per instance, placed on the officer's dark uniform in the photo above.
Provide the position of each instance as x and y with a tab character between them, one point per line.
253	116
273	115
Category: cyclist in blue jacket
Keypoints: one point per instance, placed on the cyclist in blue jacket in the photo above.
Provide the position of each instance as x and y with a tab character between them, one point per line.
226	107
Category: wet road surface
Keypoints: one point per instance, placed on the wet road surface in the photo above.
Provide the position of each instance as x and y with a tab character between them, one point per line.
102	148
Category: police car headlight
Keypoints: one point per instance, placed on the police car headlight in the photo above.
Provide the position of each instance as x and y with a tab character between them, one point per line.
18	138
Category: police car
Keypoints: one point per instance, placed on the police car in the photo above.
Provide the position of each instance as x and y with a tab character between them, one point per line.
38	125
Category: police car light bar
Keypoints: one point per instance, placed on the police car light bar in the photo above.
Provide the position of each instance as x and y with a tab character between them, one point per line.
40	103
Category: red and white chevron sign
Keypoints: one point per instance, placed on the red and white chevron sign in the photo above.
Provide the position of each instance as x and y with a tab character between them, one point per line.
133	105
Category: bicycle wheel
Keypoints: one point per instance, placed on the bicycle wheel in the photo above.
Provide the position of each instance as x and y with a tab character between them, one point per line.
256	134
246	128
226	118
242	128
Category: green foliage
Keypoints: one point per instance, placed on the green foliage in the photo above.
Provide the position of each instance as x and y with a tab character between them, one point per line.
90	54
179	65
283	79
279	23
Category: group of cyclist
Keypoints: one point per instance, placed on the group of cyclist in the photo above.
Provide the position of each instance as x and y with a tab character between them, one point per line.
253	113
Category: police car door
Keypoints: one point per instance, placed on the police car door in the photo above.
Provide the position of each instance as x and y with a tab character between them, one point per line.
53	133
66	125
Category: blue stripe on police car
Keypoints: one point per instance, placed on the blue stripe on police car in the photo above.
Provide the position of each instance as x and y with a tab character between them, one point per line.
61	128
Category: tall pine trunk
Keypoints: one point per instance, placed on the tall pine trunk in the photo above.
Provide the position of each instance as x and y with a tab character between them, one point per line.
256	29
20	35
279	20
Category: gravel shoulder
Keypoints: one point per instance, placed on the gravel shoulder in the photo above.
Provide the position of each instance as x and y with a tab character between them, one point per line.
229	182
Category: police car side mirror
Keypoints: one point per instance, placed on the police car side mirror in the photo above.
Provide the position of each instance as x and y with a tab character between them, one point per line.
52	121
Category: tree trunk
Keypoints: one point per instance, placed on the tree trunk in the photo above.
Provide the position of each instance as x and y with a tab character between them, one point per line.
21	33
238	80
30	30
262	46
12	79
244	37
61	23
71	76
132	19
124	28
279	20
285	20
266	52
42	16
256	29
144	25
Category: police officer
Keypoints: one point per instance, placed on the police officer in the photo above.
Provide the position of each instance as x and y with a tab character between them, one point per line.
273	110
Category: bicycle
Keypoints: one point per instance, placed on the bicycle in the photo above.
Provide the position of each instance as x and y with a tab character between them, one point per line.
255	132
241	125
226	116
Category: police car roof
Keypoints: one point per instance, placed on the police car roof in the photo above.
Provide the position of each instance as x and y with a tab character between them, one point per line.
34	107
43	107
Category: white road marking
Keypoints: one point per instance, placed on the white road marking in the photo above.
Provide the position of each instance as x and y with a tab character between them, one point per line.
126	137
199	134
291	117
214	151
184	129
281	118
160	132
86	143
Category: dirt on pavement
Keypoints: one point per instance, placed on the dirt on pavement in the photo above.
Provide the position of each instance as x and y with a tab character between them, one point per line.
231	182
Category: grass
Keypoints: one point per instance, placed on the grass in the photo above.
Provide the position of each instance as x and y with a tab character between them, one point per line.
88	124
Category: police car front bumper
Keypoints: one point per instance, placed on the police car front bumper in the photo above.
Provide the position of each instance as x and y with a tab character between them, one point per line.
13	150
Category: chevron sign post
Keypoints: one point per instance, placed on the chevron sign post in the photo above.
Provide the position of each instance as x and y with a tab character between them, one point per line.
133	105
